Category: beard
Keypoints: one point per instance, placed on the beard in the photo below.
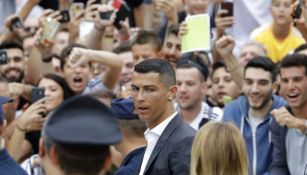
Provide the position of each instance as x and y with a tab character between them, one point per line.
11	79
265	101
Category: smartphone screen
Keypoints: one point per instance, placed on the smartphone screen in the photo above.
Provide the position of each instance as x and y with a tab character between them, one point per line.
227	6
65	16
106	15
37	93
3	57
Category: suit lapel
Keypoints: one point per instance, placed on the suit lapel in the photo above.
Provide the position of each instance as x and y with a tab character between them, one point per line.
172	125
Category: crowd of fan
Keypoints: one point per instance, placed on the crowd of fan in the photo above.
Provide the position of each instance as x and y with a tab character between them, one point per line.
94	87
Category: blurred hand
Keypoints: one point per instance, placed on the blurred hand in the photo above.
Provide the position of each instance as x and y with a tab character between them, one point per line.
34	2
284	118
32	118
225	46
78	56
223	22
91	10
183	29
168	7
15	90
102	23
49	14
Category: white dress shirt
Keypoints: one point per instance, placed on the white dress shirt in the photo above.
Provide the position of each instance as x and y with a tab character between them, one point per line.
152	136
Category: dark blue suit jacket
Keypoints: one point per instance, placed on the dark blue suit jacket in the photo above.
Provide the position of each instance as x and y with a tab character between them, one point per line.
172	152
130	163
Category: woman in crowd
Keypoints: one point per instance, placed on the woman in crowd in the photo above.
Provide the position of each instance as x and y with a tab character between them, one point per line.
28	126
219	149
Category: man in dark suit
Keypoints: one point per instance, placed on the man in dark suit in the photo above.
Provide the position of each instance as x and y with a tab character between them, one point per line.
169	139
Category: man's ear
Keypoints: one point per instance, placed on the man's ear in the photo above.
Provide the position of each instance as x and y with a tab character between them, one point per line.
172	91
54	155
42	150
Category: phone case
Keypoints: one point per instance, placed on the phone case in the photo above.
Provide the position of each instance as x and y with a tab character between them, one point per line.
49	30
3	57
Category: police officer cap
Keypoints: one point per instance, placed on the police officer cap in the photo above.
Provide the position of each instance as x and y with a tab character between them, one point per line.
83	120
123	109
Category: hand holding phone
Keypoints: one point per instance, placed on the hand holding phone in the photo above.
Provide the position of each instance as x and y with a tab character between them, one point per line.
37	94
50	28
76	9
225	5
297	10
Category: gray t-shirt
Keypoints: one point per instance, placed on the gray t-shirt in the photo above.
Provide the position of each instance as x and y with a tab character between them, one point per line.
296	147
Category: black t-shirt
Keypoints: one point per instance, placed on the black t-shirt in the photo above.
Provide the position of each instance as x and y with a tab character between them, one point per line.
33	138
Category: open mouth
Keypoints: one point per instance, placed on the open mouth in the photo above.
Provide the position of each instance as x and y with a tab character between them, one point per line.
78	81
293	96
142	110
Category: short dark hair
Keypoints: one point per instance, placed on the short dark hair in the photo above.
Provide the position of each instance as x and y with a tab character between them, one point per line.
186	63
148	37
301	48
122	48
162	67
66	52
294	60
134	128
216	66
173	29
77	159
11	44
264	63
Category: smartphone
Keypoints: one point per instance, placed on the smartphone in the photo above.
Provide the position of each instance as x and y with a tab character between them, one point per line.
298	10
76	9
3	57
122	13
17	23
50	28
37	93
65	16
106	15
225	5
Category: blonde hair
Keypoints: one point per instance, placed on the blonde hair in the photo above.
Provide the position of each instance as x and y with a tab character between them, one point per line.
219	149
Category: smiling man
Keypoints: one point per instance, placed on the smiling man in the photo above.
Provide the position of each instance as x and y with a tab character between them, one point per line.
251	112
289	127
169	139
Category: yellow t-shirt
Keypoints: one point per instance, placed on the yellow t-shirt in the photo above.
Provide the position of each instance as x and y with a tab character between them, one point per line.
277	49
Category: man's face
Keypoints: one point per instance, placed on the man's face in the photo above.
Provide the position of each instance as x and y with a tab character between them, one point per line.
77	77
257	87
143	52
249	52
190	88
281	11
127	68
293	86
13	71
223	85
151	98
197	6
172	49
